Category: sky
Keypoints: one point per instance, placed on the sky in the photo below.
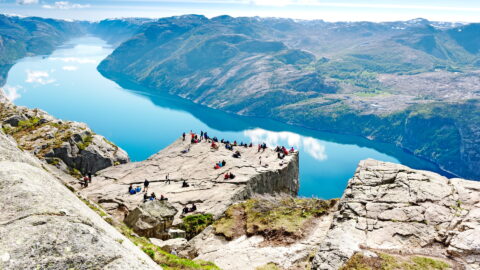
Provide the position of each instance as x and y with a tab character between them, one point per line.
328	10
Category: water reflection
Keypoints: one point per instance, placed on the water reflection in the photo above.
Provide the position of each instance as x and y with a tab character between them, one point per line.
311	146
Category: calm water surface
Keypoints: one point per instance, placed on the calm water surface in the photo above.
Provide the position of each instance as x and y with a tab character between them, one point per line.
67	85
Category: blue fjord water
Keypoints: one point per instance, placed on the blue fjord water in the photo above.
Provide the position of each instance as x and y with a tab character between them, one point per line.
67	85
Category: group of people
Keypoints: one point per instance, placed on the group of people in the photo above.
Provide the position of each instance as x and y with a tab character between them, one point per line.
220	164
228	176
153	197
187	210
282	151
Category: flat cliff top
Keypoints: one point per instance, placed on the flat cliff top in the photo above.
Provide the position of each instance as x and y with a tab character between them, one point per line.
254	171
45	226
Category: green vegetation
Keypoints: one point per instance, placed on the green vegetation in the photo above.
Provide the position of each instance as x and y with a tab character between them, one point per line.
166	260
281	220
86	141
163	258
195	224
391	262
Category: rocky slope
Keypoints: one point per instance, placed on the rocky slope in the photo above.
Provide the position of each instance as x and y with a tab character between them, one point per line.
357	78
208	189
280	231
71	146
20	37
45	226
392	208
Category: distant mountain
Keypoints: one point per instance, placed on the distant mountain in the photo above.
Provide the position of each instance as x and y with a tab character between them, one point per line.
410	83
21	37
115	31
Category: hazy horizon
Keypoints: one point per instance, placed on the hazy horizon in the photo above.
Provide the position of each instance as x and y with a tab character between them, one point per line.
348	10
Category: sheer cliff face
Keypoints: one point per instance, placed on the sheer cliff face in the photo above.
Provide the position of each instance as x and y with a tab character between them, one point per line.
402	79
45	226
393	208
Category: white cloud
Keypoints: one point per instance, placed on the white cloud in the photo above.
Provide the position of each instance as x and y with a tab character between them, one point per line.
78	60
70	68
64	5
12	92
40	77
27	2
288	139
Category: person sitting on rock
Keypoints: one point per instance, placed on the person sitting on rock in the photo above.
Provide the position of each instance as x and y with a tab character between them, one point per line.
138	189
259	148
130	188
292	150
231	176
214	145
183	135
163	198
251	144
185	184
186	150
153	196
227	176
145	197
185	210
236	154
224	163
193	208
216	167
146	183
285	151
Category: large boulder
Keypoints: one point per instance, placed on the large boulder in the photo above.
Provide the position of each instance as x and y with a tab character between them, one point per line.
43	225
388	206
152	219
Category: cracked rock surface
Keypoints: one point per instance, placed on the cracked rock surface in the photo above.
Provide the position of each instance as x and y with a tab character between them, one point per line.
391	207
43	225
208	189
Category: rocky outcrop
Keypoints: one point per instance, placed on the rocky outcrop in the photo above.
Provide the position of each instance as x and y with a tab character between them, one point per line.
152	219
250	252
71	146
390	207
207	187
43	225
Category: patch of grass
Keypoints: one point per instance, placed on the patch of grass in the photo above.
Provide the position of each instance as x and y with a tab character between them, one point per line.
421	263
389	262
275	219
75	172
85	142
195	224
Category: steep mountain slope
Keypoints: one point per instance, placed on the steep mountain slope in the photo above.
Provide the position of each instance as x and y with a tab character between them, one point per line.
383	81
116	31
20	37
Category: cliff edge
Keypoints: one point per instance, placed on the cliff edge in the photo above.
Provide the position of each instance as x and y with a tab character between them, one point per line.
255	173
